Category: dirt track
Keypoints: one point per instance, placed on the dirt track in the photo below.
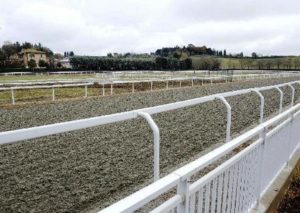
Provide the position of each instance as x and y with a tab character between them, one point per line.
76	171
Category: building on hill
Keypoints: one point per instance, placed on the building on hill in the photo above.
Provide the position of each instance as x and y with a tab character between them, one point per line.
36	55
65	63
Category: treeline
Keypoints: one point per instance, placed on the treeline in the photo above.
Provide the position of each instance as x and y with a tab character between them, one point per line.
210	63
111	63
186	51
267	63
206	63
169	58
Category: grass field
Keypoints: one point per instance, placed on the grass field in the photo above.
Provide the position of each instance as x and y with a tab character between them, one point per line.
34	95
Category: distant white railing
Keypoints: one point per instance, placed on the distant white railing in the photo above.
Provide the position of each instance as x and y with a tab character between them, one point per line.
262	153
48	73
112	84
53	87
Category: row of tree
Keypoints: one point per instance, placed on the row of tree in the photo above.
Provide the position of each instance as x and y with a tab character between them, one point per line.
171	58
189	50
206	63
267	63
109	63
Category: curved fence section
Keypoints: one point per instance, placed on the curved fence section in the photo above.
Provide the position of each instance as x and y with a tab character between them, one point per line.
234	186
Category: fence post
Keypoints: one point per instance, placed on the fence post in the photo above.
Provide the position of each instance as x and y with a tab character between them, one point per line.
12	96
53	93
85	91
132	87
180	83
183	191
260	165
151	86
156	138
111	88
228	107
281	98
192	82
167	84
290	139
103	90
262	105
293	94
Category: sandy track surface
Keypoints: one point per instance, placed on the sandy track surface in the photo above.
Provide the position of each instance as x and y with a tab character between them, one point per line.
80	170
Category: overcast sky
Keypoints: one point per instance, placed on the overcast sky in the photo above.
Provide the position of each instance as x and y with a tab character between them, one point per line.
95	27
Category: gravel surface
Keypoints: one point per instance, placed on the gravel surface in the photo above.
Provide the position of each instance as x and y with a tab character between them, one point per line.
77	171
291	200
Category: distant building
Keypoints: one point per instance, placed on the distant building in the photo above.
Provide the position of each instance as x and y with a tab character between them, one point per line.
28	54
65	63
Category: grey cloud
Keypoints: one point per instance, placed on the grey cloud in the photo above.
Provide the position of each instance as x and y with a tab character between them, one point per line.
96	27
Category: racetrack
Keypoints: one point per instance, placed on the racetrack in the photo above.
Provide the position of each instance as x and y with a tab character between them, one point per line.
77	171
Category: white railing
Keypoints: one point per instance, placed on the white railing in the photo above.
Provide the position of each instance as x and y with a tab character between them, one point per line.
35	132
53	87
251	160
195	73
104	84
48	73
234	186
112	84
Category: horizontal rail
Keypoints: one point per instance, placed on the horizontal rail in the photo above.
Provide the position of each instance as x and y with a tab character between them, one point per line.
51	129
115	81
45	86
145	195
172	78
130	204
35	132
168	205
42	82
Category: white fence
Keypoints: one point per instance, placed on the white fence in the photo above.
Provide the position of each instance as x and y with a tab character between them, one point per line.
235	185
196	73
48	73
113	84
53	87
